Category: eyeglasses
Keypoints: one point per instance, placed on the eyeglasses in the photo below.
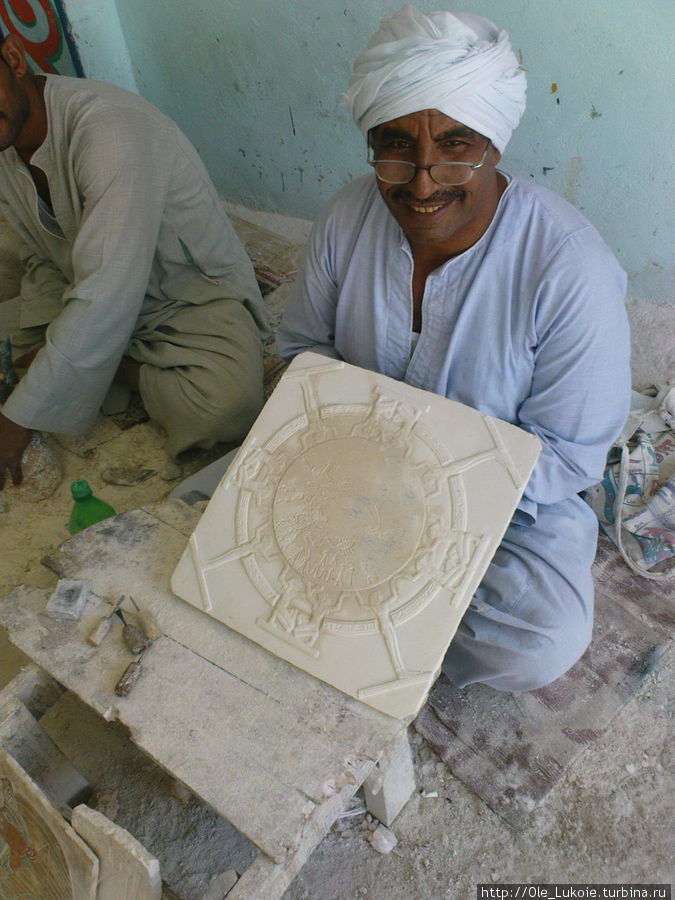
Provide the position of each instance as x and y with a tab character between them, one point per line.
449	174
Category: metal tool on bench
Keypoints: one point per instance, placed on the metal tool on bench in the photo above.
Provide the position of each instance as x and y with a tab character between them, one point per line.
129	677
133	637
103	627
137	641
147	621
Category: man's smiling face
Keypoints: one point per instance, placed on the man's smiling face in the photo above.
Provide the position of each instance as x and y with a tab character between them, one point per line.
451	217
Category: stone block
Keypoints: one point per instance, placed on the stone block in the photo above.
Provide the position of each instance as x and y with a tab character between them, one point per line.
68	600
388	788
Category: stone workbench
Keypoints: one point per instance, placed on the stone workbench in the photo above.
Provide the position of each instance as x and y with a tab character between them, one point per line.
273	750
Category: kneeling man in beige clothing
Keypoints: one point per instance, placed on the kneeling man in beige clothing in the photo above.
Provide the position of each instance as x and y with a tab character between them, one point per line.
129	261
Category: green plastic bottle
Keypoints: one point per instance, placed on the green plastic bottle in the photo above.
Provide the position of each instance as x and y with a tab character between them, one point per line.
87	508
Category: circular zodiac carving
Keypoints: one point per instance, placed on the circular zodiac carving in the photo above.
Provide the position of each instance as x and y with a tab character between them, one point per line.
348	513
345	514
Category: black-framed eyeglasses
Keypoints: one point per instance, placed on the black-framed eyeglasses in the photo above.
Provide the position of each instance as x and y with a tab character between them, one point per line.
449	174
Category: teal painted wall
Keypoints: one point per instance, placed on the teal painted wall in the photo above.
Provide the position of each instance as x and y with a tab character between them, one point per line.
96	29
257	85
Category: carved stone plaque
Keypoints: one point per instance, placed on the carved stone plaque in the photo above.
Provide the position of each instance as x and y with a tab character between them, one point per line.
353	527
40	854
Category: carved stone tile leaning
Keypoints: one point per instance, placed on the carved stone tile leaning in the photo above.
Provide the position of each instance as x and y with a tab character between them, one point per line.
354	525
126	869
40	854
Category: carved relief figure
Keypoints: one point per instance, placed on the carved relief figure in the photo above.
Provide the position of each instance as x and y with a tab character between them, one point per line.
13	831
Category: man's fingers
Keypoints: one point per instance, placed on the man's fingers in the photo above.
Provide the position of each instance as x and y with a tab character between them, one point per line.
14	471
14	439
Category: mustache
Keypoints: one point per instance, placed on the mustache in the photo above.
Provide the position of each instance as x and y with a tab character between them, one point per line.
435	199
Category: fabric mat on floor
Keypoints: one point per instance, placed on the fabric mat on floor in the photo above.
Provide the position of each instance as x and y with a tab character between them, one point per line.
511	750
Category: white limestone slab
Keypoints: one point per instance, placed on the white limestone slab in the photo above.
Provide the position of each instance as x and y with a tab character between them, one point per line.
23	737
353	527
126	869
40	854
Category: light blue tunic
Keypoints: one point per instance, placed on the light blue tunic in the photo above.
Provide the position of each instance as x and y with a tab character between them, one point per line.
527	325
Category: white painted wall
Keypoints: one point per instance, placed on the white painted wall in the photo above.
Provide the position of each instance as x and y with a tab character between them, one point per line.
257	85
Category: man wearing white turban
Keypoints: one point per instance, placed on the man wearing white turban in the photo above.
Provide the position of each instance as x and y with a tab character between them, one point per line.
447	273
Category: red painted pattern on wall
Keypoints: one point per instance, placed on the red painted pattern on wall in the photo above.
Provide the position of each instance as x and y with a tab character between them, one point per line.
25	12
42	26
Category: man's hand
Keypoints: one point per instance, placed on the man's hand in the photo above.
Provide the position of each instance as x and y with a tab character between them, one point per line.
13	441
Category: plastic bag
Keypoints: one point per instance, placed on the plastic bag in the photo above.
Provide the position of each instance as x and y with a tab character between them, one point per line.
635	501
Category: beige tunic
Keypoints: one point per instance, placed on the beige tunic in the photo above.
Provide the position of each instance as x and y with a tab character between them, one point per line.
138	253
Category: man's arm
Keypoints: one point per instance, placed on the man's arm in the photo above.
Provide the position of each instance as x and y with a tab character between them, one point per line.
308	322
40	289
580	389
121	173
39	283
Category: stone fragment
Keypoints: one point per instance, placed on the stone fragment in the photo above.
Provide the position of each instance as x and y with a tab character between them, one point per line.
41	472
221	885
383	840
127	477
170	470
387	789
68	600
180	791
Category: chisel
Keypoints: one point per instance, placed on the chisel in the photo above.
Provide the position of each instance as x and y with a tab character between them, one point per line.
129	678
133	637
148	621
103	626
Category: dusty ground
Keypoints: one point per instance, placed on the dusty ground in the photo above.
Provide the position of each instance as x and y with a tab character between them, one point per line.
609	820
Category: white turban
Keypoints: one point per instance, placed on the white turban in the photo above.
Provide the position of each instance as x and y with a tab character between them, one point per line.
458	63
